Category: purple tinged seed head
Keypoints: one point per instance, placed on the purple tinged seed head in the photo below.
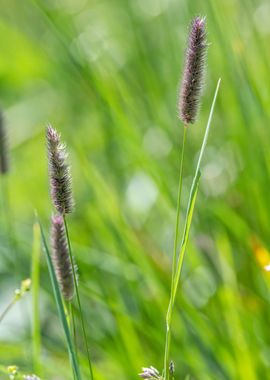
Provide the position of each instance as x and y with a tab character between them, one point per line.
192	82
4	159
60	257
59	173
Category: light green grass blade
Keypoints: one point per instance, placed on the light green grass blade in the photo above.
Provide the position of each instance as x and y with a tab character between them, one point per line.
79	301
60	307
36	339
192	198
188	220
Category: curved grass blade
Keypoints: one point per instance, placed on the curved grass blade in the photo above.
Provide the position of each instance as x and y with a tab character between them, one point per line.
192	198
60	307
188	220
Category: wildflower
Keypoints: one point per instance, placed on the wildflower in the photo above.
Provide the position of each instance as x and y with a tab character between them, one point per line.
12	371
193	72
59	172
61	258
25	287
150	373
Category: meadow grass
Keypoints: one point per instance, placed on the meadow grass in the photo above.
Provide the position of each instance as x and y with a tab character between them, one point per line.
106	73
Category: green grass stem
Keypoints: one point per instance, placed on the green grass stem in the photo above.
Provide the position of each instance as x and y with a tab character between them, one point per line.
79	301
176	235
35	277
7	308
188	220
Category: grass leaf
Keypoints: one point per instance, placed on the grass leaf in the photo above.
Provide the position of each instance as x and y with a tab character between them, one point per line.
192	199
60	307
36	338
188	220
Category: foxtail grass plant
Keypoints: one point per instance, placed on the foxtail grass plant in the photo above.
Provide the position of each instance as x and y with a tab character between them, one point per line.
61	195
188	106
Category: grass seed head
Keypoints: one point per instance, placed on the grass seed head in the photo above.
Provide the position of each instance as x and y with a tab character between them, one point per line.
61	258
192	82
59	173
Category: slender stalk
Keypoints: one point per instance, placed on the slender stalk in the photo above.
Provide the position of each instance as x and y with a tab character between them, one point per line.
36	339
189	214
176	236
69	308
78	300
71	321
73	326
9	306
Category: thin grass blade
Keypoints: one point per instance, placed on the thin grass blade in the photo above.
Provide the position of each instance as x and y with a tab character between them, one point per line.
60	307
192	198
36	338
187	225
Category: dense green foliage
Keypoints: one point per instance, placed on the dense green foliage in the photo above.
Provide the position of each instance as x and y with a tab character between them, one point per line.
105	73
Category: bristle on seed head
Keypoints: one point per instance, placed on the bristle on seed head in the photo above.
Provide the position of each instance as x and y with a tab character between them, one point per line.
192	82
61	258
59	173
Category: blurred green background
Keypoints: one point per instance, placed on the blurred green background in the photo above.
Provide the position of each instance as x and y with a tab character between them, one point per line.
105	73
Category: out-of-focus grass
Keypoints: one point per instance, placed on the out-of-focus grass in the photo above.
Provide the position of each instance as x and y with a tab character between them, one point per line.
105	73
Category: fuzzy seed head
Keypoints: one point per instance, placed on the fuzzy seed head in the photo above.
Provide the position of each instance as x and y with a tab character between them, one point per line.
59	173
4	161
192	82
61	258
